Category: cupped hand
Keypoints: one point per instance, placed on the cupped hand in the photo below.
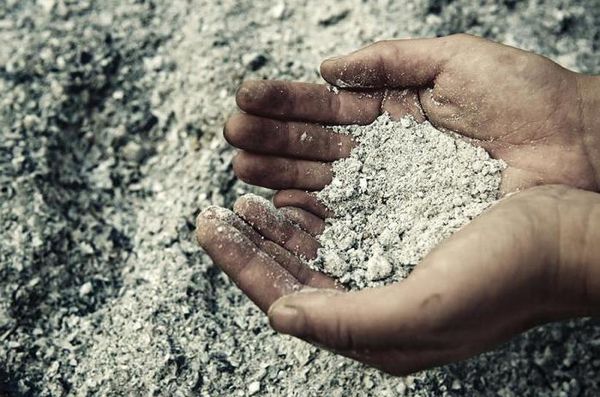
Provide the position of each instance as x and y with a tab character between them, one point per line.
520	264
521	107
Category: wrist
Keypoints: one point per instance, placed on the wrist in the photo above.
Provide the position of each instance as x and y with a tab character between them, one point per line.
588	88
578	284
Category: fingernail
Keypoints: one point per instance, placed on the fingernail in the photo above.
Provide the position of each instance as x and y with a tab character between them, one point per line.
286	319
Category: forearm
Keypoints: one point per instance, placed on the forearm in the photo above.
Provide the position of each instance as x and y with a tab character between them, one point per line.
589	109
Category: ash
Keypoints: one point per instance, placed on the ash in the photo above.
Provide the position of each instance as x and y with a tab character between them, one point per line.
404	188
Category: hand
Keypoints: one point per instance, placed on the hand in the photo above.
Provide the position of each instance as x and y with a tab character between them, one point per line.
528	260
523	108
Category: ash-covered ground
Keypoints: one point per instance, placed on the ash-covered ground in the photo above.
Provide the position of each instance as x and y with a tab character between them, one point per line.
110	144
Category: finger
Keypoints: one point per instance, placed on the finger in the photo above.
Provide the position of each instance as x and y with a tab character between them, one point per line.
297	268
283	257
252	270
281	173
301	199
315	103
391	64
294	265
406	315
286	139
228	216
265	218
410	316
343	321
307	221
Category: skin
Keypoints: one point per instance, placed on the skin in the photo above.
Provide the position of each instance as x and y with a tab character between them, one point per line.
530	259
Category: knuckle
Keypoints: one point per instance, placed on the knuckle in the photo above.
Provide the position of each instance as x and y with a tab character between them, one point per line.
335	105
280	97
291	171
285	137
338	335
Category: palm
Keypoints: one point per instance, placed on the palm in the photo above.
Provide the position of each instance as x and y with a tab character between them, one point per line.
521	107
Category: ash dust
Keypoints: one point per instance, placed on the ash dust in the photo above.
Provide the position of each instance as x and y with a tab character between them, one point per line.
404	188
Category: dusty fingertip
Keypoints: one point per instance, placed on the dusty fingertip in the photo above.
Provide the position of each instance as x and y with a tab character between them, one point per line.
329	69
242	203
242	167
244	92
207	213
204	222
250	91
233	130
250	168
215	212
251	198
208	219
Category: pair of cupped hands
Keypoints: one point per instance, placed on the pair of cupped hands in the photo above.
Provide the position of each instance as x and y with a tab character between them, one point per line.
532	258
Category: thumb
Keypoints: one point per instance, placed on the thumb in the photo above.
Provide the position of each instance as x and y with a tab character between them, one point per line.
390	64
346	321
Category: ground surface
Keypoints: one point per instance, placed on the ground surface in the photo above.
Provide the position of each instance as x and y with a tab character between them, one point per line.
110	119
